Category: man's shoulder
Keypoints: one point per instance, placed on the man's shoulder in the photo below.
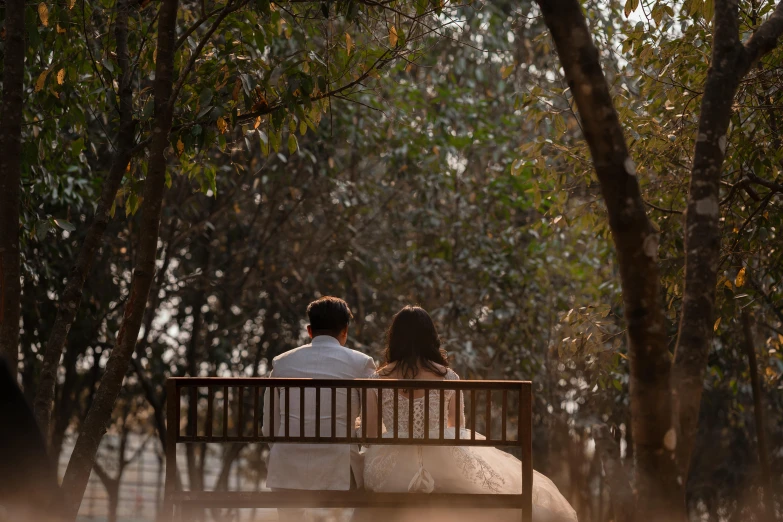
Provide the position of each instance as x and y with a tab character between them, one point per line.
359	358
343	352
354	355
290	353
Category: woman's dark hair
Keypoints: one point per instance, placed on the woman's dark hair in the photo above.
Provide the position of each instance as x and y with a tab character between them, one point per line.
412	342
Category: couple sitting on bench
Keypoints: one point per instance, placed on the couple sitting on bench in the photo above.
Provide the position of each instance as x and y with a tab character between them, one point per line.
412	352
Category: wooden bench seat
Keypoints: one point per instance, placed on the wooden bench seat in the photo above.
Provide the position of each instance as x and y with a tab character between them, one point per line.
240	400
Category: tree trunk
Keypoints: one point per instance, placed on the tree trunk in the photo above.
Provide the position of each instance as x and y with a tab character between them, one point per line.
78	472
72	294
65	406
230	455
758	411
731	61
150	391
702	229
114	503
659	496
112	487
159	413
10	179
195	466
665	396
620	491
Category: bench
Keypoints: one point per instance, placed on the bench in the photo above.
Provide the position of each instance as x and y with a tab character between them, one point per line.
241	401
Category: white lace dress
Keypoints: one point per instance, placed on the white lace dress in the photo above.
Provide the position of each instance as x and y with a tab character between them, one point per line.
451	469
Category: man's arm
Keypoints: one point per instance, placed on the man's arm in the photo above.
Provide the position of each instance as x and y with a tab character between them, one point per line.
369	368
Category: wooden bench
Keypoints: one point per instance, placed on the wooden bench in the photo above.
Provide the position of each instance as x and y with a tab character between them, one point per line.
241	399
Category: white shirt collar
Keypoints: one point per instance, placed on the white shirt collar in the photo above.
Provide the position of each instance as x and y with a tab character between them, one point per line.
324	340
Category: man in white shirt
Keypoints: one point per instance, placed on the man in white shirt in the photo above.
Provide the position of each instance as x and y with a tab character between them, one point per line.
317	466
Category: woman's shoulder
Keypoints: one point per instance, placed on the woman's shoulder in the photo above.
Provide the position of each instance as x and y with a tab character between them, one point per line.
448	373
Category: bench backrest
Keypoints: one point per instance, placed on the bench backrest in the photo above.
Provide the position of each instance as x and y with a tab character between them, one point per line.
237	404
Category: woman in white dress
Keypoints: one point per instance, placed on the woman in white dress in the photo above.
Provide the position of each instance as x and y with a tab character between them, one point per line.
413	352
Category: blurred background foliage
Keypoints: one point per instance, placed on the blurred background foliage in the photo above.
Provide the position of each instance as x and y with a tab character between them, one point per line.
442	166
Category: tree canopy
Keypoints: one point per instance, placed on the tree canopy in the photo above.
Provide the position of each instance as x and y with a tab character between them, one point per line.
411	152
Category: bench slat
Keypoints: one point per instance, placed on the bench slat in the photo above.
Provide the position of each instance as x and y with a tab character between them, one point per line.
241	412
318	414
380	412
287	411
442	409
355	383
272	396
488	427
410	413
426	413
503	415
396	410
193	411
210	411
225	412
343	499
256	410
457	412
472	414
349	424
302	409
364	414
334	412
353	440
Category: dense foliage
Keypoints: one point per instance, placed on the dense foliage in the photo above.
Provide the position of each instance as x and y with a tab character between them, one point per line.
398	153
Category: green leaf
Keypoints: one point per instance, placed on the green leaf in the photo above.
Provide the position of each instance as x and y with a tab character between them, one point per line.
277	118
43	229
630	6
307	85
693	7
65	225
292	143
308	120
658	11
76	147
146	112
132	205
708	10
205	97
203	112
274	140
263	7
559	124
264	141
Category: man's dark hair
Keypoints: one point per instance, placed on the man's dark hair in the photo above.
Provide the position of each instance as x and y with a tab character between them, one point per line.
329	316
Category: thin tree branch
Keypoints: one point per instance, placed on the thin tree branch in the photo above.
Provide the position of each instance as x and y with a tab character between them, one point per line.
198	23
764	40
197	52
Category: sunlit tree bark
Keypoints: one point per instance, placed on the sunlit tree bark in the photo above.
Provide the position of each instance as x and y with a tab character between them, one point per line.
665	391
